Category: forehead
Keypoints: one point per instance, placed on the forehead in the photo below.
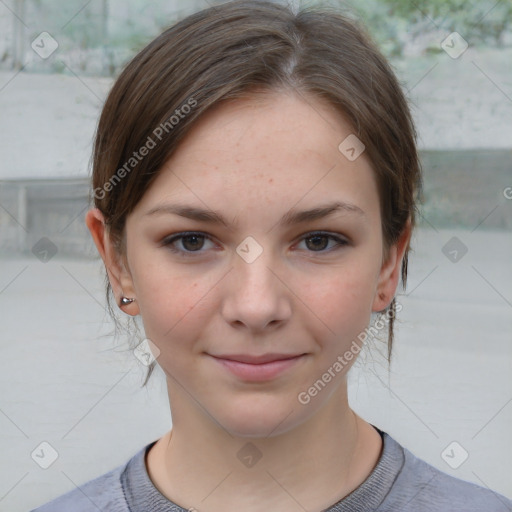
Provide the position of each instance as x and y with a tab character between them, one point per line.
265	126
262	149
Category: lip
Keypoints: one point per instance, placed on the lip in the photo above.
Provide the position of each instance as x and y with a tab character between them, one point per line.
258	368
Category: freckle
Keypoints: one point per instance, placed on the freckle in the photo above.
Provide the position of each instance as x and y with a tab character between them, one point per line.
271	180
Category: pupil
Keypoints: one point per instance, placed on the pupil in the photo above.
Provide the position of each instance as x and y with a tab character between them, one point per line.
193	245
317	238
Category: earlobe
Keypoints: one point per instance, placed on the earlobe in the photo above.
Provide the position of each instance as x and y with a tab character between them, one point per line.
119	277
390	272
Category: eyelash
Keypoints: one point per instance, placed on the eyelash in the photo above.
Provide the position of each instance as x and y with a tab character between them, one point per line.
168	242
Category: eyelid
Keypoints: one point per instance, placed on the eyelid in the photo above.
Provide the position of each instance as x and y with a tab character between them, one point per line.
168	240
340	240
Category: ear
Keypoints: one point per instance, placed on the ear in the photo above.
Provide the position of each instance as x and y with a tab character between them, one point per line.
118	274
390	271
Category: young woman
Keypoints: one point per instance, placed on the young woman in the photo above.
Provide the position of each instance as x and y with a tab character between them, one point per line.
255	178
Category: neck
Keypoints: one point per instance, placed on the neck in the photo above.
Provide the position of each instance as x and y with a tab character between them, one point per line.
312	466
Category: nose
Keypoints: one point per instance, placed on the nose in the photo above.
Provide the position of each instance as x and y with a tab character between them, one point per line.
256	296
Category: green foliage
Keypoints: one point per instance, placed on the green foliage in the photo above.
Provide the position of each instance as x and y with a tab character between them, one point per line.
478	21
394	23
98	37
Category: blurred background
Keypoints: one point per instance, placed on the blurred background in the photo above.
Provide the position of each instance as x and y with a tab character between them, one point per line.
68	381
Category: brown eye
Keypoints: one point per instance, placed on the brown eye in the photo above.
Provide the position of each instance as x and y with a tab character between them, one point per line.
193	242
319	242
186	244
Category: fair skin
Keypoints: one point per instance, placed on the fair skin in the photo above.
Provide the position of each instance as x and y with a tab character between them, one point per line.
253	162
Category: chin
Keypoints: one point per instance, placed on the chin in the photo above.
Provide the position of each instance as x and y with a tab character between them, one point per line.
263	420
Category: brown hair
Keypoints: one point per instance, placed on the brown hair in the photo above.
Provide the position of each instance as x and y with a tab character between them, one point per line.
235	50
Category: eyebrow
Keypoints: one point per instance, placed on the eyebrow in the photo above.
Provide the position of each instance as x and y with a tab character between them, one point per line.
288	219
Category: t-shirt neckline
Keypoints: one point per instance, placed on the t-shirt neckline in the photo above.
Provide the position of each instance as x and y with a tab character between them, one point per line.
142	495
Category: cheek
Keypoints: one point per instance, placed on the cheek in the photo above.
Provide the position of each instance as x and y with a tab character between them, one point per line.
170	301
349	292
173	317
170	307
341	303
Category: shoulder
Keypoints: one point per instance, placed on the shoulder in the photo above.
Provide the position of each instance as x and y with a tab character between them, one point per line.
102	493
420	487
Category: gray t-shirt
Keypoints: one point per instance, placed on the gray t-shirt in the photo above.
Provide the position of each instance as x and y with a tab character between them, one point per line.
400	482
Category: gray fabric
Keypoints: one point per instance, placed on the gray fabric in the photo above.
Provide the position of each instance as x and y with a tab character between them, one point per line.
400	482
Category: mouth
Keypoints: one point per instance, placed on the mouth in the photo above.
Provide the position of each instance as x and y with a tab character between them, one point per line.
258	368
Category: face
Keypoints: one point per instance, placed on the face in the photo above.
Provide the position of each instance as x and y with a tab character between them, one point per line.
225	300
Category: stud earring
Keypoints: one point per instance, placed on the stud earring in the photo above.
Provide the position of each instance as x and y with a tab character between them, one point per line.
125	301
